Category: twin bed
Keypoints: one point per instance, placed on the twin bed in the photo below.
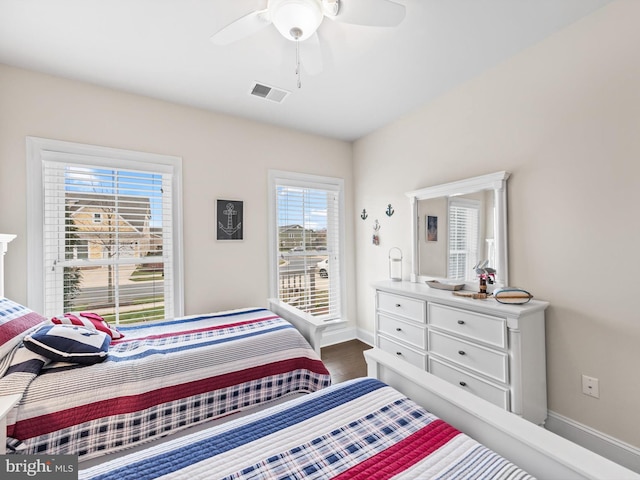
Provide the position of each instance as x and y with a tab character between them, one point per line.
231	377
356	429
366	429
157	379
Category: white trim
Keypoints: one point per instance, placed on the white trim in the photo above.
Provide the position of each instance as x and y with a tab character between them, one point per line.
338	334
7	402
596	441
493	181
40	148
5	238
366	336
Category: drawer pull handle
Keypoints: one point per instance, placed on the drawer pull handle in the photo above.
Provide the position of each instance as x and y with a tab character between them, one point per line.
398	353
461	352
398	329
463	384
460	322
398	305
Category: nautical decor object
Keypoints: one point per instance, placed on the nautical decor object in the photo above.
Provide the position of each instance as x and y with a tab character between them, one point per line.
513	296
230	221
390	211
376	229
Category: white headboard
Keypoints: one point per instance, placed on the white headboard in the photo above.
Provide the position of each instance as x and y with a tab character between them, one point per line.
5	238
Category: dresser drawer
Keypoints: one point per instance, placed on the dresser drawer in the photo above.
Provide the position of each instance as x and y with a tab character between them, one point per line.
486	361
401	351
411	333
406	307
477	326
492	393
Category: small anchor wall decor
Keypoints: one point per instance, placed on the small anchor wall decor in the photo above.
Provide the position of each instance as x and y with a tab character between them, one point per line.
364	215
390	211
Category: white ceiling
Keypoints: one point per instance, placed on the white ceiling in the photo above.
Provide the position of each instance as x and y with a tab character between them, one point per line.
371	75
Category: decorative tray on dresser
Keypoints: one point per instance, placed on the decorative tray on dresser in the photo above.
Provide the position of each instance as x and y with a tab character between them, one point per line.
492	350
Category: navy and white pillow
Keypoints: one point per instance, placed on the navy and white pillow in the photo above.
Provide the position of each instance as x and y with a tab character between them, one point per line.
69	343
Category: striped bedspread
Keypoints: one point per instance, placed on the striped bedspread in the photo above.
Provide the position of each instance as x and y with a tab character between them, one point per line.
360	429
158	379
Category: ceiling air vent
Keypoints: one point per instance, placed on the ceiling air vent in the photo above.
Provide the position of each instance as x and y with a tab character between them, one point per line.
270	93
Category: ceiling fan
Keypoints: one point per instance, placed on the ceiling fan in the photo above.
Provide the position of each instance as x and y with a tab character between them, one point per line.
298	21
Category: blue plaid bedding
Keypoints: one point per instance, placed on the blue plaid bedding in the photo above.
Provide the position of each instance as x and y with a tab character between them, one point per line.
357	429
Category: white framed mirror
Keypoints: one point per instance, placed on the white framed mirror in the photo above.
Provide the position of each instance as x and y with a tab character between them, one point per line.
457	225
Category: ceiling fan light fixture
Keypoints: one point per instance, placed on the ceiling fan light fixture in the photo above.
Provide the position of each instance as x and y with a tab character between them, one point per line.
296	19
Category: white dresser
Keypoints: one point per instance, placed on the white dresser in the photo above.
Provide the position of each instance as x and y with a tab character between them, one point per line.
493	350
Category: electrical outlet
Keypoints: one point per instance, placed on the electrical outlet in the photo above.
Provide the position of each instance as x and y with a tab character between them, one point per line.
590	386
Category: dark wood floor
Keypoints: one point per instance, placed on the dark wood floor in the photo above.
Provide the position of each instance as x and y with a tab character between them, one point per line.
345	360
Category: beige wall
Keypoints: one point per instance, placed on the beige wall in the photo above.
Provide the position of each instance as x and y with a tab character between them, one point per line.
564	118
223	157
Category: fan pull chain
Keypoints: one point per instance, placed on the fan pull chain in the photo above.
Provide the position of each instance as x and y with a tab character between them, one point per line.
298	62
296	33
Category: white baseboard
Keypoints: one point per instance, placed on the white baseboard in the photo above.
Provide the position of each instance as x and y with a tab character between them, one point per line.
333	336
366	337
594	440
339	334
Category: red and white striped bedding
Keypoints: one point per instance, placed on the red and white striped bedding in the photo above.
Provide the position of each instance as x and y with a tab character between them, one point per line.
158	379
361	429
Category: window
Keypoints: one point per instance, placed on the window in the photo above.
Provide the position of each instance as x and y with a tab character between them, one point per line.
464	218
104	232
306	221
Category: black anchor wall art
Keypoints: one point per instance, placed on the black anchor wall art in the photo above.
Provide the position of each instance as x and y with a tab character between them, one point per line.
389	211
230	221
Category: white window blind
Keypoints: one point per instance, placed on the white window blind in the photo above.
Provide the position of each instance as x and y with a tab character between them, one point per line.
308	239
464	216
108	237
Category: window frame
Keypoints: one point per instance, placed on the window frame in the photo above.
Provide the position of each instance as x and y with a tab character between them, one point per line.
468	204
41	149
304	180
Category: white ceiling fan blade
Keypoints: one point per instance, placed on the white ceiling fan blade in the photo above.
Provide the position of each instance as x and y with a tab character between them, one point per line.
241	28
372	13
311	55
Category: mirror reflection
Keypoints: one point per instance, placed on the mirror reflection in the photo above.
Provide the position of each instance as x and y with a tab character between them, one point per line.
457	234
457	226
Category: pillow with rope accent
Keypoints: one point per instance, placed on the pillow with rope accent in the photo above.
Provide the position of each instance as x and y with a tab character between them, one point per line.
69	343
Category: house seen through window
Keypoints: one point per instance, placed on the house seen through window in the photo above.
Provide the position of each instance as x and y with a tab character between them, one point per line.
108	234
